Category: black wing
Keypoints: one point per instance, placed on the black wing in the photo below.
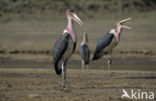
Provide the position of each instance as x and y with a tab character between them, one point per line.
85	53
59	49
102	43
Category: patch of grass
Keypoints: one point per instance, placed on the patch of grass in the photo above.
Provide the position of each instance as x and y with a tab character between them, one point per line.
51	9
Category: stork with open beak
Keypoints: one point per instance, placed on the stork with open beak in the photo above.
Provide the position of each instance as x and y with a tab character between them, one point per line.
105	44
84	51
65	46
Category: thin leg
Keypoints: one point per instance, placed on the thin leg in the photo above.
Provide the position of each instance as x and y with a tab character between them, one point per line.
82	65
109	63
63	75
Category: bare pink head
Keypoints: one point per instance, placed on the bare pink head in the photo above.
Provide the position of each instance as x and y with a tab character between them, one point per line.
120	26
70	27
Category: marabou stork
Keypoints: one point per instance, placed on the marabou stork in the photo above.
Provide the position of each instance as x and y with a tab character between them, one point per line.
65	46
106	43
84	51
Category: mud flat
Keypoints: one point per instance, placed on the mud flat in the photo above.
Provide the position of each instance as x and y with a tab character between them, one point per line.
91	85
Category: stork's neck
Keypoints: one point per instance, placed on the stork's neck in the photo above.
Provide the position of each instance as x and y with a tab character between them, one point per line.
70	29
85	40
118	31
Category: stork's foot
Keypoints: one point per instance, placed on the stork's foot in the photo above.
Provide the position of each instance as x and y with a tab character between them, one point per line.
63	89
66	89
63	86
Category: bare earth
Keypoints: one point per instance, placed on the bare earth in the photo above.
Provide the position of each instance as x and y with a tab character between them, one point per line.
27	46
91	85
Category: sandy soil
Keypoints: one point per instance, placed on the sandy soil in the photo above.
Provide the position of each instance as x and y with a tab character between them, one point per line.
91	85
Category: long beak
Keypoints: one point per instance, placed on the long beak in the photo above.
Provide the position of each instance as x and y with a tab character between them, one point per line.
125	20
77	19
122	21
126	27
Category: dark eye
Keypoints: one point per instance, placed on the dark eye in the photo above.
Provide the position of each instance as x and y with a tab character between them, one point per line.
71	11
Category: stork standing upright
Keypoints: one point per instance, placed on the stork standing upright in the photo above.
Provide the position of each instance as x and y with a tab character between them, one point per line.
106	43
65	46
84	51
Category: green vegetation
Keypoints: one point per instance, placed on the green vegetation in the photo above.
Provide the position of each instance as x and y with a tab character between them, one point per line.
10	9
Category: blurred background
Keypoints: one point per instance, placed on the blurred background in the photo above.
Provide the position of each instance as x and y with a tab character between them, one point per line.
30	28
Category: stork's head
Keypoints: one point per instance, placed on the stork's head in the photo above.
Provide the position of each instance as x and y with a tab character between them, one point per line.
120	25
70	14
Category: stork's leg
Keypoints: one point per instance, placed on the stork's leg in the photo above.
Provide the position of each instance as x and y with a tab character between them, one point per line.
63	75
109	63
82	64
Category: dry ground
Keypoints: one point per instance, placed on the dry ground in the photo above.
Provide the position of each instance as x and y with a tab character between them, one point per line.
91	85
136	51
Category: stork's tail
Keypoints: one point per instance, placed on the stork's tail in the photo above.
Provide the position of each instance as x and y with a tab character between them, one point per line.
95	57
57	66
